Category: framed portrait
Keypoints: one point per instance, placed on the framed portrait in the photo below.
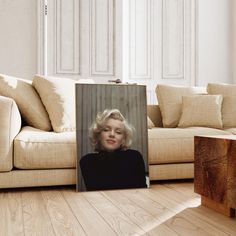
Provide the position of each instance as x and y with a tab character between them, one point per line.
111	137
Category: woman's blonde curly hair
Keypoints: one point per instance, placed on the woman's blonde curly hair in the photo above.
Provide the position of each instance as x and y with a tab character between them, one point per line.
99	124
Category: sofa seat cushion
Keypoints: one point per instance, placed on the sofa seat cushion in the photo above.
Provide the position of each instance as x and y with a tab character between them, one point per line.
175	145
36	149
231	130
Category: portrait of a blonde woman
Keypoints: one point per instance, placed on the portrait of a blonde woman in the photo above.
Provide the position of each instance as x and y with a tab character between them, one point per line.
112	165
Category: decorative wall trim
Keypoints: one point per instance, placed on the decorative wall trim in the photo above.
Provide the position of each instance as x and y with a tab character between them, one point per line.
102	37
140	39
40	41
67	37
173	39
194	53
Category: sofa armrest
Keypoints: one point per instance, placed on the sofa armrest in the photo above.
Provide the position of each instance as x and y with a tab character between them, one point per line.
154	113
10	125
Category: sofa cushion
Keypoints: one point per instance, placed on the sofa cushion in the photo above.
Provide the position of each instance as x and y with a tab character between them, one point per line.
154	113
231	130
58	96
170	101
150	123
27	99
229	100
36	149
201	111
175	145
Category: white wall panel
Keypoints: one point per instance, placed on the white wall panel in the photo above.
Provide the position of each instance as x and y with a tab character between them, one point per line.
63	38
140	39
102	37
67	37
161	41
215	41
83	39
18	39
173	39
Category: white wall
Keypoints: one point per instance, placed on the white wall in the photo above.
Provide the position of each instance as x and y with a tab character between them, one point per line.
84	39
215	41
234	40
18	38
159	43
215	51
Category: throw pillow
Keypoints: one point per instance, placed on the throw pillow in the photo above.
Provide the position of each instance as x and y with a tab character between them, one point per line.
58	96
224	89
150	123
201	110
27	100
228	92
170	101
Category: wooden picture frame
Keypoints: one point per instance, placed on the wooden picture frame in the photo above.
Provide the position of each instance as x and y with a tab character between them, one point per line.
130	99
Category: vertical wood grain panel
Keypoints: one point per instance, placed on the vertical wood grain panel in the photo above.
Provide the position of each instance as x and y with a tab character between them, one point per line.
231	178
140	39
173	38
94	98
67	37
101	37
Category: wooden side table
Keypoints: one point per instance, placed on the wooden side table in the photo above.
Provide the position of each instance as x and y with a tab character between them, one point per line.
215	172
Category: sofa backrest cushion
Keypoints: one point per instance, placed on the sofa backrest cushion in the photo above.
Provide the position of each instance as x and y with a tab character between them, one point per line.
150	123
228	91
27	100
201	111
170	101
58	96
154	114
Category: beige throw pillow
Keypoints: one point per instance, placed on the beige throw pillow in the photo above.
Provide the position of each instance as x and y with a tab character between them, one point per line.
58	96
150	123
229	111
27	100
224	89
170	101
229	100
201	110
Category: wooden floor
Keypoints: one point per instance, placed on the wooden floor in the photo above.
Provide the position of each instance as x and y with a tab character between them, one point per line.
164	209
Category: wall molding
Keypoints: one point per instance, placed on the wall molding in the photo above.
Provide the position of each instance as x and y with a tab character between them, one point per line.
173	39
140	56
102	39
40	39
179	40
67	37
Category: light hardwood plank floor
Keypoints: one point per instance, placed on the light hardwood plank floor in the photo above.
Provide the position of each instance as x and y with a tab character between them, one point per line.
166	208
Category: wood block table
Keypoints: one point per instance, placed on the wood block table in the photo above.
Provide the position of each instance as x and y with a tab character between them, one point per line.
215	172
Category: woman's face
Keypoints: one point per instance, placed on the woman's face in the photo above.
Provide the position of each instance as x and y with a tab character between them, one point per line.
112	135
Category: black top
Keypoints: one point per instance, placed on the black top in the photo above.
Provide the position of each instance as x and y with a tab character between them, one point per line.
113	170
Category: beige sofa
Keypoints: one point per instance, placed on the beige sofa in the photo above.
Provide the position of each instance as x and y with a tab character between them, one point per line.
30	156
37	132
41	156
171	150
186	112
